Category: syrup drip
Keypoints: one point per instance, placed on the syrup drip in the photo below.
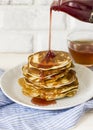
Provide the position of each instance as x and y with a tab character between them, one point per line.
42	102
47	61
50	27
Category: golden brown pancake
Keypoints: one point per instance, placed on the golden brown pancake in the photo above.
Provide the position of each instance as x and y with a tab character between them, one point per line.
53	82
35	72
61	59
50	94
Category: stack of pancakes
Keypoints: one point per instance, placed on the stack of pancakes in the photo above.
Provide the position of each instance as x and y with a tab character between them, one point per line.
49	79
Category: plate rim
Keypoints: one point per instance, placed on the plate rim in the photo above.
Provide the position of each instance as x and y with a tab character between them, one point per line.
36	106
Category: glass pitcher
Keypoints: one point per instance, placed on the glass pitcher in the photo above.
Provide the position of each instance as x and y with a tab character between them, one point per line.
80	9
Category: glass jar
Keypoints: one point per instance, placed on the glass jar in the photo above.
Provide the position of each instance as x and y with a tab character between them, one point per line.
80	46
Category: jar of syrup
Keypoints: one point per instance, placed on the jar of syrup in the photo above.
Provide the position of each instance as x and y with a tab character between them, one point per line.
80	46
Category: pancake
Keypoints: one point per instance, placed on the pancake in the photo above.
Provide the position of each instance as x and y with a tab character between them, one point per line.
35	72
53	82
61	59
50	94
52	76
50	97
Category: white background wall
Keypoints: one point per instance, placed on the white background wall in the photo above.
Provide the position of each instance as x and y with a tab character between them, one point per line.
24	26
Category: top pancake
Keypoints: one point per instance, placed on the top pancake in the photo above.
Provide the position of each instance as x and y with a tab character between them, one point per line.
60	59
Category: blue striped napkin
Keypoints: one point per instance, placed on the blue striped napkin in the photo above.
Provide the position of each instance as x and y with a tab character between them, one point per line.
16	117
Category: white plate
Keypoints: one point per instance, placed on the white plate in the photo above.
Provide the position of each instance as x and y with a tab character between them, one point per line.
11	88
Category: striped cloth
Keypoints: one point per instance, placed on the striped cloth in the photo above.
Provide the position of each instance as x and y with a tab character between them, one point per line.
16	117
